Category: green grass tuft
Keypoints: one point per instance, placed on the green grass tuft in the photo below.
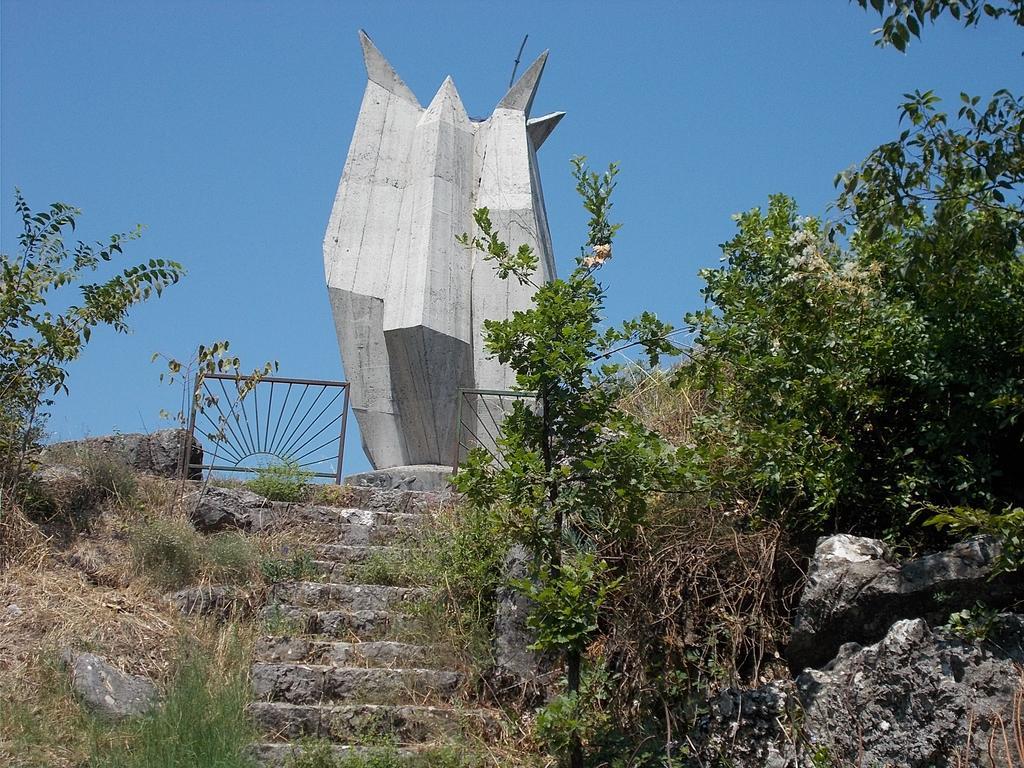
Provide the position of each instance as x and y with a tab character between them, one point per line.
281	482
202	722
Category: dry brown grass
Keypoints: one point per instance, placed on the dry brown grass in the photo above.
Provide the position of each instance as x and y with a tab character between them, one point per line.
80	589
59	608
659	406
703	605
21	541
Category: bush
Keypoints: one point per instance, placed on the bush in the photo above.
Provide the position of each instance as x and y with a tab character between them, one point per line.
281	482
229	557
111	475
169	551
74	491
390	570
298	567
37	344
172	554
849	390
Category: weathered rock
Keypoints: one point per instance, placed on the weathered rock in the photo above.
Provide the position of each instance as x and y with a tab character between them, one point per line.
108	691
855	591
420	477
749	728
158	453
516	666
223	601
916	698
1006	636
218	509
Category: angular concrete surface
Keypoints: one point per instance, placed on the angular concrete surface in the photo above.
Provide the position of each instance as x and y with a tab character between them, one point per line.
409	302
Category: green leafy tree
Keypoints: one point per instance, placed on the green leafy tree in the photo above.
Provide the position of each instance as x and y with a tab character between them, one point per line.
575	471
37	342
903	18
864	373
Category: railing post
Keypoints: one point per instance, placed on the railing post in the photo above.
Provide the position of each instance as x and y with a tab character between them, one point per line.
341	439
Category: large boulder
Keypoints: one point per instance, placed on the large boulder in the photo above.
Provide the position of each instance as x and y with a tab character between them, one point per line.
158	453
856	590
517	668
106	690
919	697
213	509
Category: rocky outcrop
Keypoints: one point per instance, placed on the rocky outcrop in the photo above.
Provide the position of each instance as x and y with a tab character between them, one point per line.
749	728
856	590
918	697
158	453
886	677
213	509
517	669
106	690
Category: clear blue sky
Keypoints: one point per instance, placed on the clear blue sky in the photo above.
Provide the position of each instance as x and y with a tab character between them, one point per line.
223	127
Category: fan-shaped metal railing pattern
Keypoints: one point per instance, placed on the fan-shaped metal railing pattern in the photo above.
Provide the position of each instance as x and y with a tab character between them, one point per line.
479	417
297	421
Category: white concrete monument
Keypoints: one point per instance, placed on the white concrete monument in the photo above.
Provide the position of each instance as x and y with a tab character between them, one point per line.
409	301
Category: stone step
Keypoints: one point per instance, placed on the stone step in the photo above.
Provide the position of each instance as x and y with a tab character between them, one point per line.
310	684
375	653
370	565
350	597
361	535
354	554
385	573
324	519
404	724
365	625
339	624
285	755
412	502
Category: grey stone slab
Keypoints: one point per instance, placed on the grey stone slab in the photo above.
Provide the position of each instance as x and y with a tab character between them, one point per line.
420	477
106	690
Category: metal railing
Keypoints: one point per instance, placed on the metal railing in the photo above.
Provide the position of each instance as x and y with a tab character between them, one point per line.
479	416
287	420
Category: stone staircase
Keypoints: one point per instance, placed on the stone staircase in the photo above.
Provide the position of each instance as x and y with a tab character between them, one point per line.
350	663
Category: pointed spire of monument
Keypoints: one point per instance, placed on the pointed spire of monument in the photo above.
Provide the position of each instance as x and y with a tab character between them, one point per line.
447	99
379	71
540	128
520	96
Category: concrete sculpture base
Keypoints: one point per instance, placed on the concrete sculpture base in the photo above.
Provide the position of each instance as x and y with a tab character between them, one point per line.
421	477
409	302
